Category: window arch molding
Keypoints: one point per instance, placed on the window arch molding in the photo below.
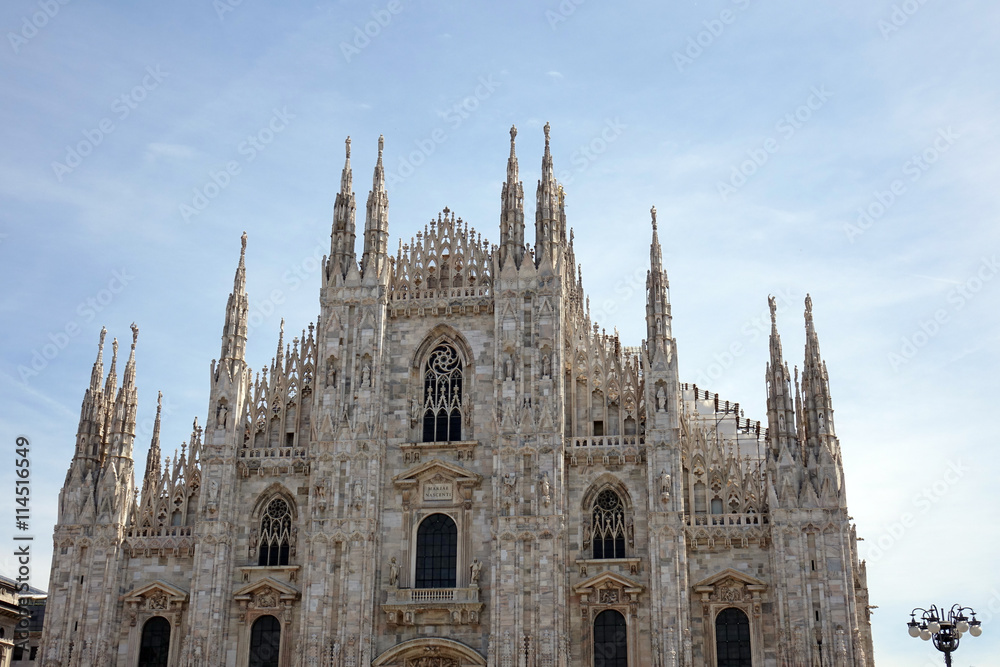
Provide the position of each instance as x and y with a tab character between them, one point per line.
442	334
731	589
620	538
256	537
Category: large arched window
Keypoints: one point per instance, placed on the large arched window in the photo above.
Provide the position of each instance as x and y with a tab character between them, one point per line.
154	648
610	640
609	525
265	642
443	395
732	638
275	533
437	552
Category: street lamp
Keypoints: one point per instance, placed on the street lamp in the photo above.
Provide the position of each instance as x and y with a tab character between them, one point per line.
946	631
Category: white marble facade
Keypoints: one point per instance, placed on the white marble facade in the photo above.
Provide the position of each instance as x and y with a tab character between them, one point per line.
458	391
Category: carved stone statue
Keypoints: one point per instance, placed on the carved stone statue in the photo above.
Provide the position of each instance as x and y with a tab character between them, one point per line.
546	489
664	487
509	480
476	568
661	399
393	572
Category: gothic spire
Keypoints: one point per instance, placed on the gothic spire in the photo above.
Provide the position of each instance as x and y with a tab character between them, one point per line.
342	237
512	210
90	431
152	477
780	403
549	206
816	401
126	406
234	331
658	319
375	256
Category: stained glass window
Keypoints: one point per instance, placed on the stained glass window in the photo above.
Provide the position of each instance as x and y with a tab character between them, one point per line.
443	395
609	525
275	534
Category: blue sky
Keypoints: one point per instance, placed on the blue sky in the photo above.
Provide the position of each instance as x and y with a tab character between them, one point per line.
847	150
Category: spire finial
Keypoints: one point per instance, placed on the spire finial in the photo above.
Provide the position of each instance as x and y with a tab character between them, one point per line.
381	145
114	349
513	133
547	129
243	245
348	144
135	334
100	345
652	212
773	305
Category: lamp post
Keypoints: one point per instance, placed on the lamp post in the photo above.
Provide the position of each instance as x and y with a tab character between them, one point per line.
945	630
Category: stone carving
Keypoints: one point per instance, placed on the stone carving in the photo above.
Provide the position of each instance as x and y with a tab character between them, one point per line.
664	487
609	596
393	572
157	600
265	598
509	481
476	568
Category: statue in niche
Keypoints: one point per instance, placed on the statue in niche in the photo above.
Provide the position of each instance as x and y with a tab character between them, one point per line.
546	366
586	534
221	415
630	531
393	572
508	367
546	489
366	374
509	480
664	487
357	494
475	570
331	372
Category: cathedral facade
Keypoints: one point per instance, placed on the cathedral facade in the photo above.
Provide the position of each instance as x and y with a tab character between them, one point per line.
453	467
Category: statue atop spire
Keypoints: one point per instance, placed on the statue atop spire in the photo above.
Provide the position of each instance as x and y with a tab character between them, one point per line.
375	257
512	210
234	330
549	206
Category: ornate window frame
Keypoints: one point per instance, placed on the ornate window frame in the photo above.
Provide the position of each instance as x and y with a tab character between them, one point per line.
731	588
265	597
264	500
442	334
431	651
435	487
157	598
607	482
604	591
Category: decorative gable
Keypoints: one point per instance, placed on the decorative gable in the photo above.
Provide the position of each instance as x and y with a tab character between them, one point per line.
437	481
154	598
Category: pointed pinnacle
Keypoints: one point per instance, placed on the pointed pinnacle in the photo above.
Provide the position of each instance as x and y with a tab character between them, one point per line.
652	212
348	144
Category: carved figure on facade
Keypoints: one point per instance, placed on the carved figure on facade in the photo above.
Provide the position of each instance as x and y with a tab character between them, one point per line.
546	489
475	570
393	572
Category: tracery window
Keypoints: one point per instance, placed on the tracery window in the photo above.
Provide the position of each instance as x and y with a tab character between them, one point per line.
610	639
265	642
443	395
609	525
732	638
154	648
437	552
275	533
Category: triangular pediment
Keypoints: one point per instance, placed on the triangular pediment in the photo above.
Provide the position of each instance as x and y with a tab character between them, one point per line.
283	590
608	580
158	587
729	573
436	468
